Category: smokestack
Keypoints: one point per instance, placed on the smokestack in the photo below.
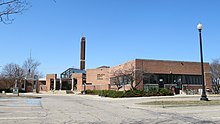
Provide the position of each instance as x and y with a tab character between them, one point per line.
82	53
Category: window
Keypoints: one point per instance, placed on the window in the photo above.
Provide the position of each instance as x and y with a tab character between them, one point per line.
150	79
193	79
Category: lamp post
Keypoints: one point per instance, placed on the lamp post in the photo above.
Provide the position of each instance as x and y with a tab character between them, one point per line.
17	74
84	88
0	70
203	96
84	83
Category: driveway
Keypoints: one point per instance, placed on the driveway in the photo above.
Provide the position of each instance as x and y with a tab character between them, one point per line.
80	109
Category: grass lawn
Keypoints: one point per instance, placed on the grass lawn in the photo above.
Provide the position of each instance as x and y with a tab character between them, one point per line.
181	103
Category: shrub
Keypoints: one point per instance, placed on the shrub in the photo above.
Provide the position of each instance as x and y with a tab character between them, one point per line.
117	94
129	93
139	93
103	93
165	92
134	93
152	94
111	93
153	90
92	92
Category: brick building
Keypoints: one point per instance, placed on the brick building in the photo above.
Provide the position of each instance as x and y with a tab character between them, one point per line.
163	74
147	74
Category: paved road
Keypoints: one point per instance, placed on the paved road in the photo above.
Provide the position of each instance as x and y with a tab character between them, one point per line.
79	109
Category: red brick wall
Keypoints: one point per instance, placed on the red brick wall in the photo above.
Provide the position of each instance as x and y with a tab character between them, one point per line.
175	67
96	87
151	66
48	78
208	81
79	78
92	76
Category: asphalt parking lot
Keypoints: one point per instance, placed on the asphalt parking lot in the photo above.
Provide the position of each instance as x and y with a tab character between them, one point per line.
80	109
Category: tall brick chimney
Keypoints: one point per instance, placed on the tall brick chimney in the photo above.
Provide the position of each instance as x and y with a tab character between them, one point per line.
82	53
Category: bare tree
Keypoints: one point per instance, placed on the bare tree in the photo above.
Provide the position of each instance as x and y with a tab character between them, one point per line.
215	68
6	83
117	76
130	75
30	68
136	76
12	73
11	7
215	72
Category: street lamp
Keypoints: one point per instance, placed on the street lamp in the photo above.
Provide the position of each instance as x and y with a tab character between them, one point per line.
16	80
84	83
84	88
203	96
0	67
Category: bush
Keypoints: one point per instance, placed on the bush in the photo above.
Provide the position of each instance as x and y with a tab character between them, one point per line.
152	94
117	94
111	93
165	92
153	90
129	93
120	94
92	92
135	93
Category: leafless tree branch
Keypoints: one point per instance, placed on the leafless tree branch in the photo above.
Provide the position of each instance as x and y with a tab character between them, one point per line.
215	72
30	68
12	72
11	7
132	75
215	68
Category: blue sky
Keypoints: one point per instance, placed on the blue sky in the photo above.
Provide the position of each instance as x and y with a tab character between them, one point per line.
116	31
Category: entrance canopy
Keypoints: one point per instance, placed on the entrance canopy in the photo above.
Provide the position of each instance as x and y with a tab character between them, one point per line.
68	73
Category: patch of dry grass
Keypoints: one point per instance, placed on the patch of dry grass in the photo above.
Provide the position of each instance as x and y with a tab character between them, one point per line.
181	103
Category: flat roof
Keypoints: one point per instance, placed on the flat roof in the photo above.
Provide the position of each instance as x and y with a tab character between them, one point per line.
170	61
